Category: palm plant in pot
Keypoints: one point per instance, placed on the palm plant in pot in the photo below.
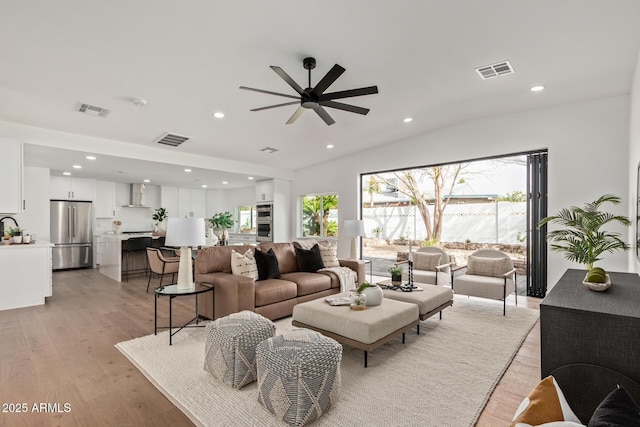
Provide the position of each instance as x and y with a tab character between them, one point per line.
582	240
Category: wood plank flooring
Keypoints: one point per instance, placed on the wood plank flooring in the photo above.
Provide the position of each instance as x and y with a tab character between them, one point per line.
63	353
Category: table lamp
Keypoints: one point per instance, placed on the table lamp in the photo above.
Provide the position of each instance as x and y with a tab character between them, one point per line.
185	233
353	228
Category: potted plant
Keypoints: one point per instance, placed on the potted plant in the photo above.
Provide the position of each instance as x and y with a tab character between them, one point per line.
396	273
16	234
159	216
359	298
222	221
581	239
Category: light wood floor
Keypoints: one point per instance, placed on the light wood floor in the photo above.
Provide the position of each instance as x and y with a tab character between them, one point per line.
63	352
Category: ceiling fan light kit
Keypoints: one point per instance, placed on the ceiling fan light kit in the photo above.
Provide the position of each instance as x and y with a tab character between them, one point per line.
315	98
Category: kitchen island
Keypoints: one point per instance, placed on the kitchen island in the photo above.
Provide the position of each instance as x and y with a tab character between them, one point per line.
111	254
26	274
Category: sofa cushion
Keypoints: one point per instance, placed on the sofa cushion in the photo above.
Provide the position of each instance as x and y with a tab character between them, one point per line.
244	264
214	258
426	261
309	283
309	260
267	264
287	261
617	409
484	266
329	255
271	291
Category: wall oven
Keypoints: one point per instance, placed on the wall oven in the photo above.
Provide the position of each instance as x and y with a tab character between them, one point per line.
264	223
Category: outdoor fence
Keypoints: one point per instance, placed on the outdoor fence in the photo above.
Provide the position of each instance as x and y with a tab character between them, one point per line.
495	222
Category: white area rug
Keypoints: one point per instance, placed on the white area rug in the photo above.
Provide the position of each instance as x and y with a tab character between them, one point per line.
442	377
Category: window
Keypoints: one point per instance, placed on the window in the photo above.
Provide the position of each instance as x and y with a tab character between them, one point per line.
320	215
247	219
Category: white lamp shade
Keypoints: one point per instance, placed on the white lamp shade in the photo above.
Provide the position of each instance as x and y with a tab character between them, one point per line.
185	232
353	227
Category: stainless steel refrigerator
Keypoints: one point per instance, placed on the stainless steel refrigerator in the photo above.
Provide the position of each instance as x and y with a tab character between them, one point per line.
71	234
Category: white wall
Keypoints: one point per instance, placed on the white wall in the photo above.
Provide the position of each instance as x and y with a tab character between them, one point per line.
581	138
634	161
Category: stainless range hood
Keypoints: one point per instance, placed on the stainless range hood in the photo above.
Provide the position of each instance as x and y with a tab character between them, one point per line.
137	197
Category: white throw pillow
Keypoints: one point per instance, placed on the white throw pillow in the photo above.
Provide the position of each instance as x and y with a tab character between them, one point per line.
329	255
244	265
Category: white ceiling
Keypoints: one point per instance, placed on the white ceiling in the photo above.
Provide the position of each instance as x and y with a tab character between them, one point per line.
188	58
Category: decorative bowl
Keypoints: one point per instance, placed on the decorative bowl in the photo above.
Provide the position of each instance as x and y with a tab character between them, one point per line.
599	287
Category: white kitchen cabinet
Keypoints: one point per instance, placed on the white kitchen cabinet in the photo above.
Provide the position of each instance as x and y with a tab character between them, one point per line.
184	202
11	177
67	188
198	203
264	190
169	200
191	203
105	203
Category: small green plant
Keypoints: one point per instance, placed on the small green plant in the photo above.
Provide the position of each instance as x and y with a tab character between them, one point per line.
160	215
15	231
521	237
222	221
377	231
364	286
396	270
431	242
467	241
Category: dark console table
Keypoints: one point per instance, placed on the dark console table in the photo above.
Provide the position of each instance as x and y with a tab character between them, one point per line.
591	329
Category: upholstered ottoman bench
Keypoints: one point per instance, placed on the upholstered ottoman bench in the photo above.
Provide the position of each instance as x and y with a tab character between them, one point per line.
431	300
298	375
230	349
365	330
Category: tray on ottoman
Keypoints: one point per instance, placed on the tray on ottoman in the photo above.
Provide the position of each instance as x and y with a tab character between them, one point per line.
364	330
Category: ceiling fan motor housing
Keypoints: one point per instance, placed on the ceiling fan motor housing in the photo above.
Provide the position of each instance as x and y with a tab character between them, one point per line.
309	63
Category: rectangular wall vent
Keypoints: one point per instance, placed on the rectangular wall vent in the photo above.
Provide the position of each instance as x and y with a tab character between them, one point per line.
269	150
495	70
172	139
92	110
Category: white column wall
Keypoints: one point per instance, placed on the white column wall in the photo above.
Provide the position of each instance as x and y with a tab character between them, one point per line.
582	138
634	161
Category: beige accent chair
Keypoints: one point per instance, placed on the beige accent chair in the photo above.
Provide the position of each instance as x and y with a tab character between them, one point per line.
161	265
490	274
429	270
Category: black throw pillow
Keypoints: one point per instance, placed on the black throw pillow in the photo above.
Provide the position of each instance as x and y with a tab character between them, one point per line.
309	260
267	264
616	410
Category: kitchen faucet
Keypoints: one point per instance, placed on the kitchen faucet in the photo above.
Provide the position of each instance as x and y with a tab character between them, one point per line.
2	225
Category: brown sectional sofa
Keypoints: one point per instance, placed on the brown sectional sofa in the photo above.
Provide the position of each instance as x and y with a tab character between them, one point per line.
272	298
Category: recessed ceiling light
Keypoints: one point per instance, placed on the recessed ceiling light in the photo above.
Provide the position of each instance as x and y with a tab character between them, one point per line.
537	88
146	180
139	102
204	185
329	145
407	119
218	115
91	157
225	182
77	167
66	173
187	170
249	177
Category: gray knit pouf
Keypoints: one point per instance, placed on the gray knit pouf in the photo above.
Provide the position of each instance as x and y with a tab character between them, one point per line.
230	351
298	375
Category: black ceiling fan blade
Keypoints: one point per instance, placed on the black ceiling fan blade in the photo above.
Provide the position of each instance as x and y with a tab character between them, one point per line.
348	93
328	79
323	114
295	115
275	106
345	107
284	76
269	92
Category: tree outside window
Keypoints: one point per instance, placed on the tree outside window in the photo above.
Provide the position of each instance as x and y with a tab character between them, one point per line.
320	215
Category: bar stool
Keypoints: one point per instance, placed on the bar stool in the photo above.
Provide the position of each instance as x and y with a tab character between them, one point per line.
136	245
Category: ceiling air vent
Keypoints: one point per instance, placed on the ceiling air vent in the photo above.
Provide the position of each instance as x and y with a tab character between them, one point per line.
269	150
495	70
172	139
92	110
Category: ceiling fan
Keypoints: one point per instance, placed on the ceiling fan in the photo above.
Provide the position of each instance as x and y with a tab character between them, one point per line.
315	98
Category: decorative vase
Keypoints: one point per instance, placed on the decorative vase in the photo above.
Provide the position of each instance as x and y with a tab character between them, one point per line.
373	295
358	301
